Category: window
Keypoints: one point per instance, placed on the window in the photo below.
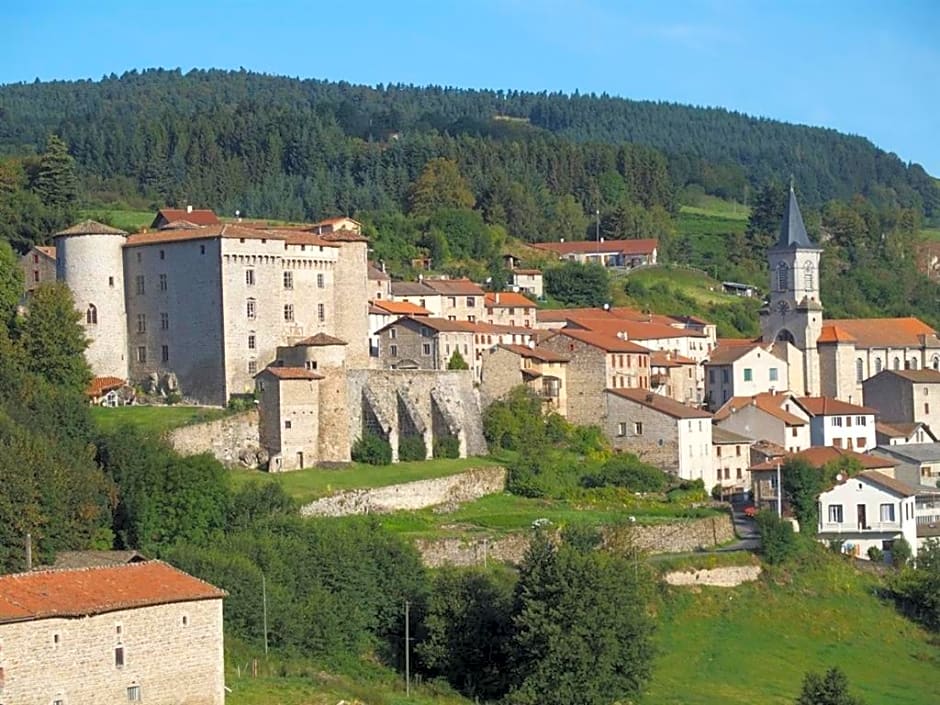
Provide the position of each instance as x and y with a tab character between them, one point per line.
878	364
138	257
35	275
896	363
859	370
162	254
133	694
936	362
426	349
163	282
141	354
452	301
836	420
287	424
794	432
91	315
164	353
914	363
202	249
185	621
111	282
748	374
321	281
740	474
56	640
835	513
250	277
725	375
860	442
288	312
164	321
638	428
393	350
774	374
711	376
887	513
119	656
622	429
288	280
861	421
718	451
471	302
58	701
393	333
926	408
738	451
782	277
141	322
250	309
251	341
252	367
139	281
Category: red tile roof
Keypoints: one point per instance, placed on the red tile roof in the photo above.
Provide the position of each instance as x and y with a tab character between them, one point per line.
834	334
441	325
767	402
103	385
507	299
590	247
888	483
89	227
197	216
46	250
658	402
529	272
224	230
726	354
88	591
403	308
817	456
536	353
634	330
827	406
319	340
884	332
603	341
290	373
454	287
660	358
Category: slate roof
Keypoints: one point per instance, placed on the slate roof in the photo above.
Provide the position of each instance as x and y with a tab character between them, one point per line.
411	289
88	591
376	274
454	287
792	230
913	452
657	402
90	227
926	376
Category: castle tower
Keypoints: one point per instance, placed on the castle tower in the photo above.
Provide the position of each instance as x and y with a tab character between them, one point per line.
351	290
89	259
794	312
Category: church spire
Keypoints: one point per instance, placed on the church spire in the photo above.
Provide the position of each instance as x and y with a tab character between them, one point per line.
792	230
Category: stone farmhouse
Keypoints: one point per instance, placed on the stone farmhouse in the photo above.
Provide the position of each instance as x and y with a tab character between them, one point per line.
543	371
38	267
140	632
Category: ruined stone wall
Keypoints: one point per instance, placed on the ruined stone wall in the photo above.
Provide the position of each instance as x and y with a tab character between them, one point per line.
409	496
233	440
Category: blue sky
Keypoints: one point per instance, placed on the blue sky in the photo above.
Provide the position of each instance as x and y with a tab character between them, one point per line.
869	68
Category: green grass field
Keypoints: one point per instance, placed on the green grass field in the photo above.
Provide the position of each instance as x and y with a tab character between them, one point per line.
129	220
715	207
753	644
930	234
157	419
693	283
312	483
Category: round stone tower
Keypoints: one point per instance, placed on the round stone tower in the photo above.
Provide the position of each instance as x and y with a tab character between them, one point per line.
90	260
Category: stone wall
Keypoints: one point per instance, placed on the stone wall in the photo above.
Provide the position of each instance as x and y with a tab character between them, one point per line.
680	536
729	576
233	440
463	487
73	660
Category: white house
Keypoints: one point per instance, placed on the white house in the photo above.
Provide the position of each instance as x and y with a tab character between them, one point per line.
868	510
736	370
900	433
837	423
777	418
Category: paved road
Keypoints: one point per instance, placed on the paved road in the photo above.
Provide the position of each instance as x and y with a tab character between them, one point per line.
745	528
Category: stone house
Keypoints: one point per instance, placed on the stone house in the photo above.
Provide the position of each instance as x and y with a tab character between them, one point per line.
732	455
900	433
426	343
194	216
380	284
607	253
661	431
38	267
598	362
543	371
385	311
833	422
419	294
742	370
289	399
507	308
674	376
777	418
905	396
528	281
461	299
141	632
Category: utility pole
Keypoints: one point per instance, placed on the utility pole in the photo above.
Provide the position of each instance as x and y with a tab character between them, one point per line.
407	649
779	493
264	608
29	551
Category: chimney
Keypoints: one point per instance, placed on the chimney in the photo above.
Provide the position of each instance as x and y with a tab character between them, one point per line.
189	209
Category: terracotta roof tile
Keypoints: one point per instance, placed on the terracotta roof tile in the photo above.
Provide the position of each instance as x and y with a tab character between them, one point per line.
590	247
46	250
817	456
660	403
835	334
888	483
101	385
767	402
660	358
403	308
884	332
725	354
827	406
507	299
198	216
90	227
88	591
319	340
603	341
290	373
224	230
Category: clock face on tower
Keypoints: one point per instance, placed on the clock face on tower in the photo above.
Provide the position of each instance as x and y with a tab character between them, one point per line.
783	307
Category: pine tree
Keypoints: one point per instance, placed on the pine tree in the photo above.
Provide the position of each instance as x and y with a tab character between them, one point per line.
56	182
831	689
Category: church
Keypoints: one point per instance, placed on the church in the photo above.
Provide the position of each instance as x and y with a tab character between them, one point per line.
831	357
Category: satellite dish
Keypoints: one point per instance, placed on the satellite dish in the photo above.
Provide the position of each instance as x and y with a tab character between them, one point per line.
839	477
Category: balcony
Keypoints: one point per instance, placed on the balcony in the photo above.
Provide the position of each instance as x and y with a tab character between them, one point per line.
830	527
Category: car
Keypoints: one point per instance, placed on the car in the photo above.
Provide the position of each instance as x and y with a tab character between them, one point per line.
750	511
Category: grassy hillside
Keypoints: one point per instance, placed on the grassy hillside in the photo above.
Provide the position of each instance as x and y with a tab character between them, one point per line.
157	419
754	643
129	220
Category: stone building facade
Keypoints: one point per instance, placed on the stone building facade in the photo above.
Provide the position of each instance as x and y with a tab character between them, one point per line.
906	396
38	267
141	632
544	372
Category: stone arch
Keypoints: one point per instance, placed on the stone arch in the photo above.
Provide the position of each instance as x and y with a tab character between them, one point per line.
786	336
913	363
91	315
896	363
878	365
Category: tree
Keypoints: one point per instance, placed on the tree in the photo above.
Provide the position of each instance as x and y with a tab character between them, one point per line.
440	185
52	340
764	221
578	284
457	362
568	219
831	689
917	589
778	542
56	182
581	632
11	284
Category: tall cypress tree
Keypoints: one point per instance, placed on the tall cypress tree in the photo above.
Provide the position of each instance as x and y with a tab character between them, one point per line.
56	182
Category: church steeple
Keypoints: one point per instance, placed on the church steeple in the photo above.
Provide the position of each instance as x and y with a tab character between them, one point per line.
792	229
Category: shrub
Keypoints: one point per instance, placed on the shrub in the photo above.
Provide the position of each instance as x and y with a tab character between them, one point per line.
241	402
447	447
372	449
626	470
457	362
901	553
412	448
778	542
173	398
687	491
876	555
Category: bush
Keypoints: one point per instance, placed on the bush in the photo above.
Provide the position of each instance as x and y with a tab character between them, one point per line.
447	447
457	362
778	542
901	553
173	398
627	471
241	402
372	449
412	448
688	491
876	555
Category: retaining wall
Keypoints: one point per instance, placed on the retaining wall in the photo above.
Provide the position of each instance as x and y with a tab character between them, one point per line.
232	440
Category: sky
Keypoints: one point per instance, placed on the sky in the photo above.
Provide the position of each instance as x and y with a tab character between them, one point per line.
862	67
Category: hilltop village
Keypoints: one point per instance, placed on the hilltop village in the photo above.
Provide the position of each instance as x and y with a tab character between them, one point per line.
331	347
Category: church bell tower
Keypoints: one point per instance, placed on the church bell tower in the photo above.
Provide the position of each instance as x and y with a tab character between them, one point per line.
793	312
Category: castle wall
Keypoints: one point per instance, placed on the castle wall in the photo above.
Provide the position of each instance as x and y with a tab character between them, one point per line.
351	294
93	269
233	440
